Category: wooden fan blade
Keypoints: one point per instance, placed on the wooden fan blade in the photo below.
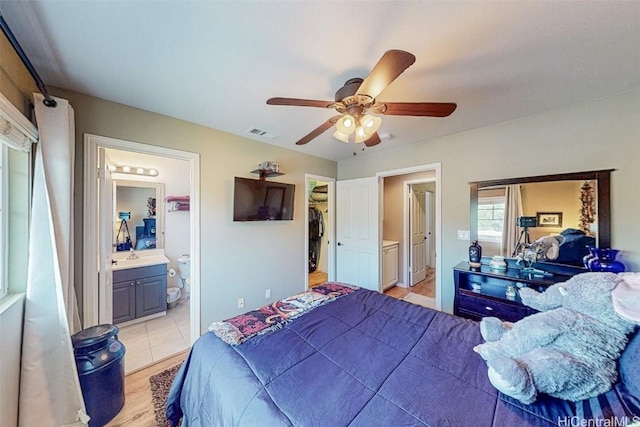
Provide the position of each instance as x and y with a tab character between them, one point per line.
300	102
318	131
388	68
373	140
432	109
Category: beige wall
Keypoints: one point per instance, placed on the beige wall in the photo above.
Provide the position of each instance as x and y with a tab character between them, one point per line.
562	197
16	83
596	135
238	259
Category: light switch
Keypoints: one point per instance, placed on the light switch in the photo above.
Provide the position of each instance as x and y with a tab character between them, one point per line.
463	234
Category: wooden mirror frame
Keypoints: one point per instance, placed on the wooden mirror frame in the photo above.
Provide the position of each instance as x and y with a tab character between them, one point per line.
603	203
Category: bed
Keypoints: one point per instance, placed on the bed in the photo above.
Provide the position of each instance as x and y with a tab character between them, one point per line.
366	359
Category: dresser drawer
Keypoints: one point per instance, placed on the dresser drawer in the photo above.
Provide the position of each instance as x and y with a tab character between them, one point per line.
483	307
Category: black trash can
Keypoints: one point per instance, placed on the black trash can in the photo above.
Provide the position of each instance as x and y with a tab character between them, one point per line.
100	363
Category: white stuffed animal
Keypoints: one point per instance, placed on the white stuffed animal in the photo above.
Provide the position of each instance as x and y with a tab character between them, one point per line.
569	349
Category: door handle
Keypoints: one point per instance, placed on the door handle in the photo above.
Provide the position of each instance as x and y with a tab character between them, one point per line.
339	244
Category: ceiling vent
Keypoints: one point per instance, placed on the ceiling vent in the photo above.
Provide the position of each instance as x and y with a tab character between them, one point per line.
262	133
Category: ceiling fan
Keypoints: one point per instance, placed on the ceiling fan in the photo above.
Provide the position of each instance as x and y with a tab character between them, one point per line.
356	103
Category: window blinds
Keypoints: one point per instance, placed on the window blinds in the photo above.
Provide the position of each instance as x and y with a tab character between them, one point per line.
16	131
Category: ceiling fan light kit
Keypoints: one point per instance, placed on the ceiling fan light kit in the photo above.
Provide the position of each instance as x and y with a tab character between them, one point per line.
346	124
356	99
362	128
370	123
341	136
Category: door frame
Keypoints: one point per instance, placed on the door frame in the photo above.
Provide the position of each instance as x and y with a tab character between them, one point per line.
329	231
429	209
106	192
437	169
90	295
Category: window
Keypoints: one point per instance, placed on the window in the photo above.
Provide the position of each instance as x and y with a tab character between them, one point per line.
17	134
490	219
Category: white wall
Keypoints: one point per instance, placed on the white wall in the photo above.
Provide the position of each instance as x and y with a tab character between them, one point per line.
596	135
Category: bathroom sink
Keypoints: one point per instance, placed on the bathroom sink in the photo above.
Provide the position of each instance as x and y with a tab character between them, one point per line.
143	260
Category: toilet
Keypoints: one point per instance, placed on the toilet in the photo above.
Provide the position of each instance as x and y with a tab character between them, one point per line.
184	271
182	290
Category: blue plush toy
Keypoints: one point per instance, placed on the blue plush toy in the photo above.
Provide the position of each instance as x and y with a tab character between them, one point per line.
570	348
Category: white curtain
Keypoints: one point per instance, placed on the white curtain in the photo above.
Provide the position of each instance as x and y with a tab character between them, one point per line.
512	210
50	393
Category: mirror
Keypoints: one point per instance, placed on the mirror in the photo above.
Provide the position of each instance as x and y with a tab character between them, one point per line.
508	212
139	220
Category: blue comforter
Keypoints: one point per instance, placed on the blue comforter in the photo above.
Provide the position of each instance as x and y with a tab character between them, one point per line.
364	359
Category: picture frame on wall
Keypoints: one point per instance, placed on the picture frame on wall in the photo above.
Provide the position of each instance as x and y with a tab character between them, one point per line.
549	219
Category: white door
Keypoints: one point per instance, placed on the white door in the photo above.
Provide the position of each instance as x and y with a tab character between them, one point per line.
418	236
357	233
105	222
429	229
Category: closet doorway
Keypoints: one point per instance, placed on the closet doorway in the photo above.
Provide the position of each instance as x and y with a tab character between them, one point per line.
319	230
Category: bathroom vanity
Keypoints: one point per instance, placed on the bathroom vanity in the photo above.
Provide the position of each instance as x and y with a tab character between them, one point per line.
390	250
139	288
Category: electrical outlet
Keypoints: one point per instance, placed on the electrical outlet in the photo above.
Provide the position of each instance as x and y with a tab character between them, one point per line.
464	235
267	294
240	302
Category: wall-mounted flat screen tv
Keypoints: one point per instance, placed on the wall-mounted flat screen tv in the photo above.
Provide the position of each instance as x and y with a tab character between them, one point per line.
261	200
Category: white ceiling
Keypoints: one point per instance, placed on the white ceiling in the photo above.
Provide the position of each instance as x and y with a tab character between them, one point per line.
215	63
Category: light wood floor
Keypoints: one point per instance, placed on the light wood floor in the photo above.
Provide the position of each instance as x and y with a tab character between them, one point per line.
138	406
427	287
317	278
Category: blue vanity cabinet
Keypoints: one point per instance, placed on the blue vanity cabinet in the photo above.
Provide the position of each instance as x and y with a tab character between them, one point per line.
151	295
124	300
139	292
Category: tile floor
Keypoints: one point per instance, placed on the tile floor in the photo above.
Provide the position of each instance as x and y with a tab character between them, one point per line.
153	340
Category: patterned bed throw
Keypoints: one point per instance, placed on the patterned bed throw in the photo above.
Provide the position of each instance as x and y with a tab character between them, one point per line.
270	317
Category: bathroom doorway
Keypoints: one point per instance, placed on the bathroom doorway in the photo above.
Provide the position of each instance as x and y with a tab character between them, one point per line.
168	231
398	202
319	230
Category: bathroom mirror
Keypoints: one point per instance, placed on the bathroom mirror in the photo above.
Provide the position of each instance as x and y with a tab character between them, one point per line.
574	205
139	215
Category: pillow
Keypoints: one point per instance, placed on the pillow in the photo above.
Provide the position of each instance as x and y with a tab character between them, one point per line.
574	247
629	363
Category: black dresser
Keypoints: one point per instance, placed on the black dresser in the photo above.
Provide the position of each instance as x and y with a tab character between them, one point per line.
482	292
